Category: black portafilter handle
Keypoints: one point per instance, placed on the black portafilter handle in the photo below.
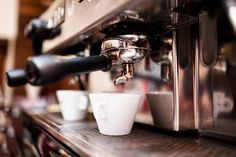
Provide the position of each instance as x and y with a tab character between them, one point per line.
50	68
16	77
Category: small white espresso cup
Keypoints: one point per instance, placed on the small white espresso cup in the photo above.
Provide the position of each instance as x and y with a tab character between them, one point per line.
73	104
114	112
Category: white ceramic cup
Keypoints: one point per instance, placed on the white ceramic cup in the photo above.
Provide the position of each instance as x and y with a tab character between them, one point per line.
115	112
73	104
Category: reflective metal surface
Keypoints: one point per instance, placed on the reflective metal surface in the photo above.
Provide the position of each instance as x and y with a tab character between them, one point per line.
109	15
127	30
175	62
82	138
217	90
192	55
125	50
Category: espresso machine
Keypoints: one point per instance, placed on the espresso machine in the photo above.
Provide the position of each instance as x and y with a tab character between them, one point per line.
184	47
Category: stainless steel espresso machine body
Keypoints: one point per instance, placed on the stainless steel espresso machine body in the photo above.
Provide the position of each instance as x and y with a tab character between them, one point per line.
116	28
181	46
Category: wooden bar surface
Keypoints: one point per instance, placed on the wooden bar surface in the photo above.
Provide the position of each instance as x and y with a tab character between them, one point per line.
83	138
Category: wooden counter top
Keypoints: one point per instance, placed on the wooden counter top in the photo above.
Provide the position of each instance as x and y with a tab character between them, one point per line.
84	139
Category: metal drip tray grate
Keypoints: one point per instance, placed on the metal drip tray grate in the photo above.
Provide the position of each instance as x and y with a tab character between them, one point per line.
84	138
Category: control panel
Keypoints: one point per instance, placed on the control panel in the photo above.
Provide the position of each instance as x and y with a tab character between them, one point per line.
59	14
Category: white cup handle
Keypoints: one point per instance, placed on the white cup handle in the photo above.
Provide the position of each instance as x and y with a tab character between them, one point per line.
102	113
83	102
99	112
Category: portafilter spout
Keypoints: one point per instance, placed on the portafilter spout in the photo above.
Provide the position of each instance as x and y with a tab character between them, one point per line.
125	50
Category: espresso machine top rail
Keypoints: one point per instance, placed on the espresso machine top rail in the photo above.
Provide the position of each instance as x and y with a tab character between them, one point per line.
91	21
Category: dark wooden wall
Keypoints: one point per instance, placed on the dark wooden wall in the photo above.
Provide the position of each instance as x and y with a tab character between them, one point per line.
28	9
3	50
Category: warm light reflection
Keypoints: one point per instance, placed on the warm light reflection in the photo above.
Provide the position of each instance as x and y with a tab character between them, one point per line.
232	16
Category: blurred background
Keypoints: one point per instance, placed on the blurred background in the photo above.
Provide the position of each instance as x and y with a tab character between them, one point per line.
15	47
14	50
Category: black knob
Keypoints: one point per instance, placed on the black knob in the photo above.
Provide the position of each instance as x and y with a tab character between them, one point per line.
39	30
16	77
46	69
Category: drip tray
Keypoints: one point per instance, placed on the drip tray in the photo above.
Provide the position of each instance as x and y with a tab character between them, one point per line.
84	138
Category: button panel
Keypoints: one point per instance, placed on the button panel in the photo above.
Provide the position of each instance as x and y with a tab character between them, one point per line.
59	15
